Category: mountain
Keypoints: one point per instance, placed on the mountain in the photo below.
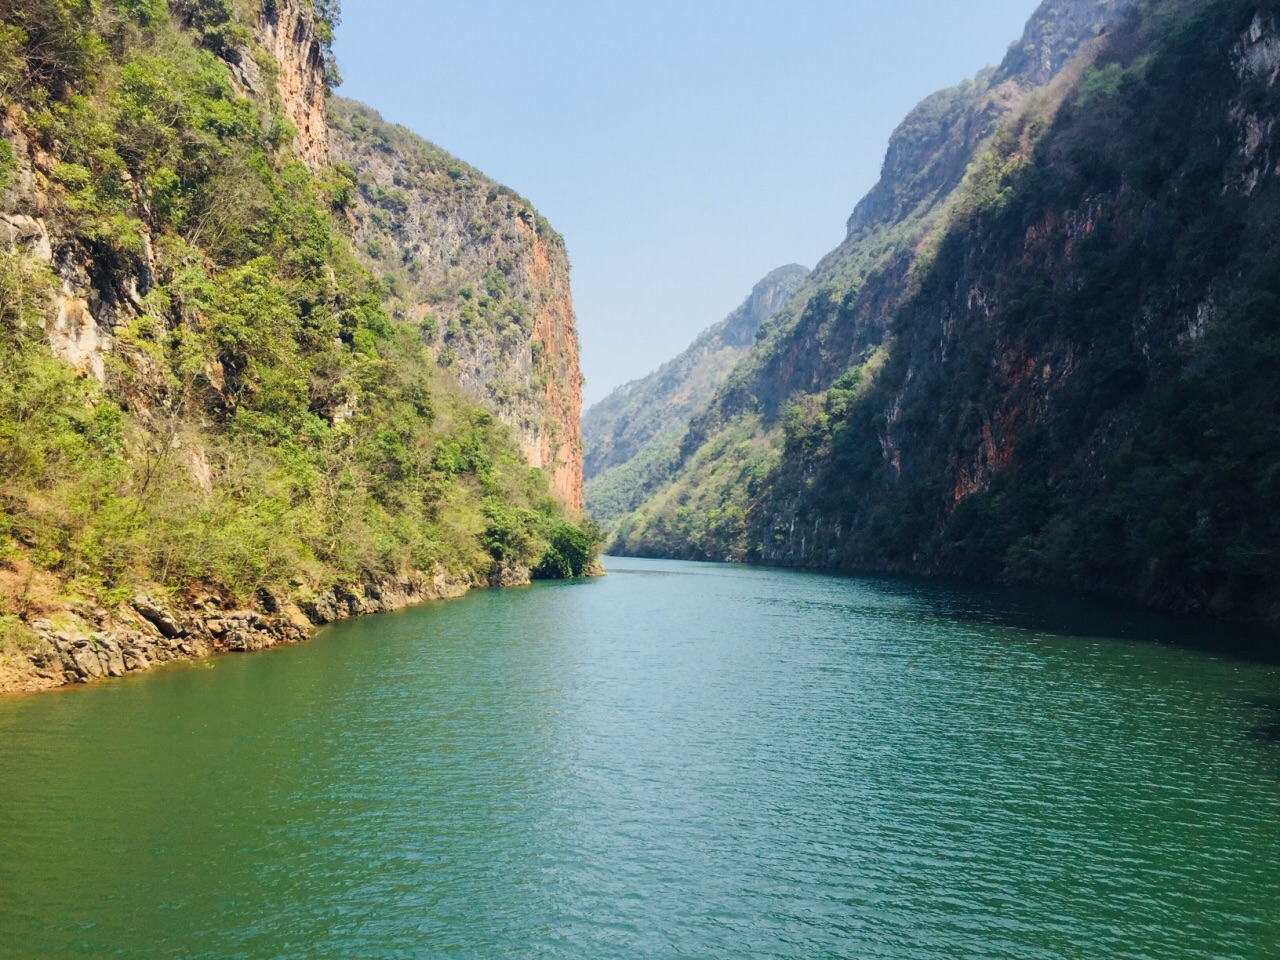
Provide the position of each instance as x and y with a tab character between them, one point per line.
631	437
485	278
1059	371
227	412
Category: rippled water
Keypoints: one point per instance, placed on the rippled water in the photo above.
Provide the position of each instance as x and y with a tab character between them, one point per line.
679	761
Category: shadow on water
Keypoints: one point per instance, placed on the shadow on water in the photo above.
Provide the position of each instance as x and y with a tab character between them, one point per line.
1055	614
1082	616
1269	730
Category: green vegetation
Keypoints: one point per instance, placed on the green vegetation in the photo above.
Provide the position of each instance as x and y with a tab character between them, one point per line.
265	423
1150	470
632	438
1074	384
571	552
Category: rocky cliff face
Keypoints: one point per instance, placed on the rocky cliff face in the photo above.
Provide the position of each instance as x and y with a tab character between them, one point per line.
813	341
632	436
1074	393
1054	35
1051	373
95	297
481	274
289	34
216	427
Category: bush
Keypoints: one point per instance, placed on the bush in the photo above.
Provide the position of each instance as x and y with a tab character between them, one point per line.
571	552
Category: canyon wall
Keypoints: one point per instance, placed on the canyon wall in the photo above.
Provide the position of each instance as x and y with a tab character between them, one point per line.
481	274
1044	354
227	414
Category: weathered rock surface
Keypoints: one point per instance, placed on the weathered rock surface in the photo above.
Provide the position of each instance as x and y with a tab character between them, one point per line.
482	273
287	31
88	645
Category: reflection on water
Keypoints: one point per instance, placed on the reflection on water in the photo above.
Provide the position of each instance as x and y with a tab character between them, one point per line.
676	761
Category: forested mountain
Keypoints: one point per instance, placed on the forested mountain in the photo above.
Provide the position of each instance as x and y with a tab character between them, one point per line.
226	410
631	438
1045	353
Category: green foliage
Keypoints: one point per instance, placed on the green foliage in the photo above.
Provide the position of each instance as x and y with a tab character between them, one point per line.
216	23
571	552
147	13
15	636
1079	374
281	428
8	164
58	50
1099	82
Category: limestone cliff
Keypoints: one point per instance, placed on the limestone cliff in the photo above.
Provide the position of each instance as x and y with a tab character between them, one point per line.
837	322
290	35
481	274
217	427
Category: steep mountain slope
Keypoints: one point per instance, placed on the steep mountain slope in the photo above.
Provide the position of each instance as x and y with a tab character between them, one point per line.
632	436
213	429
485	278
1077	386
837	322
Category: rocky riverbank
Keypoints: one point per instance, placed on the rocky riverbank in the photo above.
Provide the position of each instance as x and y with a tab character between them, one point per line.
66	644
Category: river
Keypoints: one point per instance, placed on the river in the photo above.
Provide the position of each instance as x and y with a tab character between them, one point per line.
677	761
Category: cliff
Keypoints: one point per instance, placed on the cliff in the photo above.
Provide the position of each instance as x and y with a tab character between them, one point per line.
837	323
473	266
1054	372
294	40
632	436
1080	390
217	426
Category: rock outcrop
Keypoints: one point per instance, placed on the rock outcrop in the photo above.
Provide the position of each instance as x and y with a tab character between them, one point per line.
84	643
288	32
481	273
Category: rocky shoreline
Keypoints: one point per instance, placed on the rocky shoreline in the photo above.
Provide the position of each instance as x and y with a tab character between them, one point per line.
86	643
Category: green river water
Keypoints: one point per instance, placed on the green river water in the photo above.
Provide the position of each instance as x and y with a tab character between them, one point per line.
677	761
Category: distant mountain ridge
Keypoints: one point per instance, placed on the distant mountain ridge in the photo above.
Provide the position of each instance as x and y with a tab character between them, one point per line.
631	435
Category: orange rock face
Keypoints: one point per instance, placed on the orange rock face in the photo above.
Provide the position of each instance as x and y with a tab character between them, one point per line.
458	228
557	445
287	31
487	280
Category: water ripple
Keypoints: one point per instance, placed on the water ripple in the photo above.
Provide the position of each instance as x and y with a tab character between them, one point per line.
676	762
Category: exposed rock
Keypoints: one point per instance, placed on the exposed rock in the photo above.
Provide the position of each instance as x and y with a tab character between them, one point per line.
85	662
484	275
113	657
287	30
509	575
19	230
74	335
158	617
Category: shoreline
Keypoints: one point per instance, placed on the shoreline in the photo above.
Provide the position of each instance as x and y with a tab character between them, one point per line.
86	644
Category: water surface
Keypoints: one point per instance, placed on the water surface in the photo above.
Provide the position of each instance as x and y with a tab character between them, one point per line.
679	761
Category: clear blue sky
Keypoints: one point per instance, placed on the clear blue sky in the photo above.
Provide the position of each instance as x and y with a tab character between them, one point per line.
684	148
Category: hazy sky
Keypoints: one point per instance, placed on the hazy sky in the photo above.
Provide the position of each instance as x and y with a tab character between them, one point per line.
684	149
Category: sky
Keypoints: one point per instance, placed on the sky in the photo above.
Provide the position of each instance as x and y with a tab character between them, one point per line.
683	149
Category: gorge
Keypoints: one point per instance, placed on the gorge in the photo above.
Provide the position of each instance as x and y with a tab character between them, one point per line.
943	577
